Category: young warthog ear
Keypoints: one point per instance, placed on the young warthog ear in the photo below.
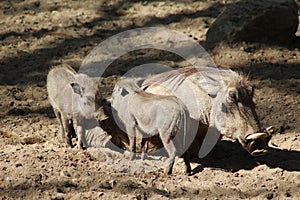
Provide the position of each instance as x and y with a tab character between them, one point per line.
77	89
124	92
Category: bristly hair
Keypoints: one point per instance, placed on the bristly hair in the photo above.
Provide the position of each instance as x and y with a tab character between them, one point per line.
246	77
210	78
63	65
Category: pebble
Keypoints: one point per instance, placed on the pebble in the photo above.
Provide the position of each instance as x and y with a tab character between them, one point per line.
288	194
19	165
105	185
270	196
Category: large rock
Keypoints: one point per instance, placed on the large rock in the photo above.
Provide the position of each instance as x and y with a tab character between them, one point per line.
274	21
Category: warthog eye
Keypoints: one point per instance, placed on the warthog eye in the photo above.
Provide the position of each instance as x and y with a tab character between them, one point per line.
232	95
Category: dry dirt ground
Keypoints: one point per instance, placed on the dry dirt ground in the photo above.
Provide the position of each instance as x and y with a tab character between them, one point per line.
35	164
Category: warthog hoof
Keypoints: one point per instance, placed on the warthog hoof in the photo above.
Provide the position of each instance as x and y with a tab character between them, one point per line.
132	156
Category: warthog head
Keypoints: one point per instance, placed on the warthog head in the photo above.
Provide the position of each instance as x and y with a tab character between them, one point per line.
86	97
233	114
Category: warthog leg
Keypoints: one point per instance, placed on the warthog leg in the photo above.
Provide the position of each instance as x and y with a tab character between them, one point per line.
132	143
69	132
62	129
171	149
66	135
186	158
72	129
144	146
81	140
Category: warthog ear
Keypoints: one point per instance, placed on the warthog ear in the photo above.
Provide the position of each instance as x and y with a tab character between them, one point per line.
124	92
139	82
77	89
210	85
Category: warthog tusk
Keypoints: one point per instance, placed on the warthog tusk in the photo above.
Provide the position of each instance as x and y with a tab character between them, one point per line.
271	130
259	152
255	136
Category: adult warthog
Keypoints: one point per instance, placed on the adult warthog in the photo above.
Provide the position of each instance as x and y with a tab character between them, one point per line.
215	97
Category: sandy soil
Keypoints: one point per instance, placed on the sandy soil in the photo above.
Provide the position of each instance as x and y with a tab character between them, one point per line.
35	164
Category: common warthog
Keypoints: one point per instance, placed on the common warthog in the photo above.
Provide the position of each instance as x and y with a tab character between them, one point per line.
149	114
219	98
73	96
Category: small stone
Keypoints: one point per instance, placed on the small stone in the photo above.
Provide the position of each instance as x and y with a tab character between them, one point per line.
37	4
270	196
105	185
19	165
65	173
288	194
196	191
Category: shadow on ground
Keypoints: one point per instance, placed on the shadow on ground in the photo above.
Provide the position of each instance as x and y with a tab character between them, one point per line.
230	156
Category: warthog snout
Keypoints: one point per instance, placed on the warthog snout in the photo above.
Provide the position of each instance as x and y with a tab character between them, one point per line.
257	143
